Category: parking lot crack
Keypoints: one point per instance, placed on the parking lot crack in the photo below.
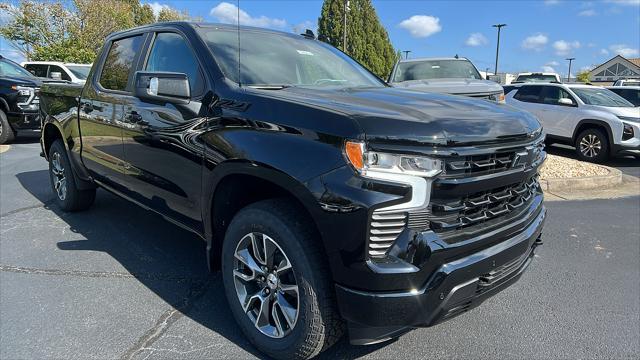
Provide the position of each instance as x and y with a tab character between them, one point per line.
15	211
166	320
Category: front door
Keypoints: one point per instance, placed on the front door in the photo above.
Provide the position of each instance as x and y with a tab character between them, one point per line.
162	147
558	118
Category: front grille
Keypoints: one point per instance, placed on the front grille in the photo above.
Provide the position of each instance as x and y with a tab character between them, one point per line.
480	207
385	226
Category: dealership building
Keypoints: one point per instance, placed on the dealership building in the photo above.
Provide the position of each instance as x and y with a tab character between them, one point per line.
616	68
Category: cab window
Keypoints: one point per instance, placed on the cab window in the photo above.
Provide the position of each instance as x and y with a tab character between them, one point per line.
528	94
551	95
118	65
163	58
37	69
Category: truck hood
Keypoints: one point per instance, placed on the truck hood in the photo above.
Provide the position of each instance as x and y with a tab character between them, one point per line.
389	114
22	81
451	86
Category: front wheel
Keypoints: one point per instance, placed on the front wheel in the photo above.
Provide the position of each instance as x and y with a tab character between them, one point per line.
6	132
277	282
592	145
66	192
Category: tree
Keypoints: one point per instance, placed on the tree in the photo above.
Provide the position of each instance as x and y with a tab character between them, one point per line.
583	76
367	40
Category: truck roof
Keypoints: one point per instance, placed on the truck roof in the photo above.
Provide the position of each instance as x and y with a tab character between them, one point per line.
433	59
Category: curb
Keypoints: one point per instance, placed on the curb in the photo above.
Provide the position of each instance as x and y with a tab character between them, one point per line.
614	178
4	148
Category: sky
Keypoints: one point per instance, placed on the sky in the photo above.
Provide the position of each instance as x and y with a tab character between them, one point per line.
539	35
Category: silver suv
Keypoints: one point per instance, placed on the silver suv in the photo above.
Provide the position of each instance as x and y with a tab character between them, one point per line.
595	120
456	76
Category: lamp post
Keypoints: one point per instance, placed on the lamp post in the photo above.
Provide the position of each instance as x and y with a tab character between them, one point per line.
499	26
569	74
344	27
406	53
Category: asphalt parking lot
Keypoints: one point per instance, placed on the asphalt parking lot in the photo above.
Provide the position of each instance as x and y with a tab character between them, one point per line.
119	282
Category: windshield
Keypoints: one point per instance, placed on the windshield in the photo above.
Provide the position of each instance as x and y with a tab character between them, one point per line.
436	69
8	68
79	71
601	97
536	78
269	59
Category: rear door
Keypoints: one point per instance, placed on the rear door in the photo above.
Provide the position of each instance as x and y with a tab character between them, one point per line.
527	98
162	148
38	70
101	110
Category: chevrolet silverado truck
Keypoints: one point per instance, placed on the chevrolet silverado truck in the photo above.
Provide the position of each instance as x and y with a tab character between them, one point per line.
331	202
18	100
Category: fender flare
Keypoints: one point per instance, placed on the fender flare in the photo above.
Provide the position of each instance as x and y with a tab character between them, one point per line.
600	123
261	171
4	106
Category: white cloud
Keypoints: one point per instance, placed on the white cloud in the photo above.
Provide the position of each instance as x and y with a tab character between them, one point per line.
228	13
604	51
565	47
156	7
552	63
535	42
624	50
625	2
303	26
586	68
548	69
476	39
551	2
421	26
588	12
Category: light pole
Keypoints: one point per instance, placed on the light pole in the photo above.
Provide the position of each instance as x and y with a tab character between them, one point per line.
499	26
344	27
569	74
406	53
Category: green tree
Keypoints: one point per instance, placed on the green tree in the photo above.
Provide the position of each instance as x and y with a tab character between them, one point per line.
583	76
367	40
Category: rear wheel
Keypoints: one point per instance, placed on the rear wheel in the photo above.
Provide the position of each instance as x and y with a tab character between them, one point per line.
277	282
592	145
6	132
63	185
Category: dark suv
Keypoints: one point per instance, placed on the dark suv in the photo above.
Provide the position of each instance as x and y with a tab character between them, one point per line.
18	100
329	200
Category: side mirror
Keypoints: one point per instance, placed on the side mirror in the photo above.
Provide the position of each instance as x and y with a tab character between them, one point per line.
566	102
166	87
55	75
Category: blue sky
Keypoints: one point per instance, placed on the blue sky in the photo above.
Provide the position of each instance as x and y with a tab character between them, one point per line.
539	35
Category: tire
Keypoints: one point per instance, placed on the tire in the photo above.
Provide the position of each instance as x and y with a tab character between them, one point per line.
317	324
592	145
7	134
65	191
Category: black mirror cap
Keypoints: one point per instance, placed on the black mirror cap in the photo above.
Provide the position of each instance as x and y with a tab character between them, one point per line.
162	87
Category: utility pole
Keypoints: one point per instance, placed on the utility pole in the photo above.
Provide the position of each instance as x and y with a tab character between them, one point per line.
406	53
569	74
499	26
344	27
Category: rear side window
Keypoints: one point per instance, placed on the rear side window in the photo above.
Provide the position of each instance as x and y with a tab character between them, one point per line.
528	94
119	63
37	70
171	53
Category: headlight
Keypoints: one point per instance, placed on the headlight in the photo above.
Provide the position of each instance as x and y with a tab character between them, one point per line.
367	162
497	97
629	118
23	90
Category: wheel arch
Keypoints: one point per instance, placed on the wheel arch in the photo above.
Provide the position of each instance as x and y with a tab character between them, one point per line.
4	106
234	185
593	123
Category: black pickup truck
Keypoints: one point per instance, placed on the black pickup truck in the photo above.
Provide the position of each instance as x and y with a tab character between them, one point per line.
18	100
329	201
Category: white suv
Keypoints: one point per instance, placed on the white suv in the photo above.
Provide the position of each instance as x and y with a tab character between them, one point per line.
75	73
595	120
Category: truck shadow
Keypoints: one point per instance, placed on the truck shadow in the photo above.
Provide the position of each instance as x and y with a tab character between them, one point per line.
166	259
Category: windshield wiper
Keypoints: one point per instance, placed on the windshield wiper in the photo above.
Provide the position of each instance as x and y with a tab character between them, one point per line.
269	86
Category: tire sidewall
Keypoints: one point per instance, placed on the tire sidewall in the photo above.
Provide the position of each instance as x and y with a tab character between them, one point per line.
7	132
604	152
71	191
257	220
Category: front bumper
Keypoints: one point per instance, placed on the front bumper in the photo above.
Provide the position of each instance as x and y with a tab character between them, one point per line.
24	120
454	288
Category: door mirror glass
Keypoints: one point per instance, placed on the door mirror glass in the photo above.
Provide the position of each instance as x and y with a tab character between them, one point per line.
566	102
164	87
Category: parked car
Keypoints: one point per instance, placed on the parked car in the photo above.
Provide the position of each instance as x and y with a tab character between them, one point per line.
18	100
456	76
630	93
329	200
75	73
533	77
598	122
627	82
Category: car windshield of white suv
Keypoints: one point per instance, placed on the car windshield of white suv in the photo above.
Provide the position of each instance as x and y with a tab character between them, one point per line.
435	69
536	78
81	72
601	97
10	69
272	60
